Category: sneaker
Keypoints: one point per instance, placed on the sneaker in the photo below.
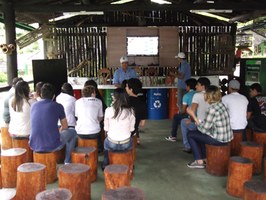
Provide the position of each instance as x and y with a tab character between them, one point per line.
195	165
170	138
187	150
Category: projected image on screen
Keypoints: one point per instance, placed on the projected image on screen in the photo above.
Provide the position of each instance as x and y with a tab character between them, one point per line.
142	46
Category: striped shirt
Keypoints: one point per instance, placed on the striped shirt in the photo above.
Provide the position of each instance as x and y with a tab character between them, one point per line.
216	123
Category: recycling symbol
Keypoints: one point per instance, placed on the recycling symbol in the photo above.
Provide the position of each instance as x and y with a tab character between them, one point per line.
157	104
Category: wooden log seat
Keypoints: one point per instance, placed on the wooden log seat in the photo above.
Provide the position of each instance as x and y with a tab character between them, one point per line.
253	151
0	178
116	176
235	143
30	180
87	156
76	178
60	155
217	159
254	190
122	157
5	138
10	160
7	194
264	162
240	171
260	138
54	194
124	193
23	142
249	134
49	160
88	142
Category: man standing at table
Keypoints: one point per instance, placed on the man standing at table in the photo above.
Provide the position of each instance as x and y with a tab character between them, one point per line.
123	72
183	74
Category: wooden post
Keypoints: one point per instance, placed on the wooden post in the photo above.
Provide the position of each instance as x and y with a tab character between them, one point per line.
254	190
57	194
76	178
123	193
10	160
240	171
23	143
87	156
30	180
124	158
49	160
6	139
217	159
260	138
116	176
235	143
253	151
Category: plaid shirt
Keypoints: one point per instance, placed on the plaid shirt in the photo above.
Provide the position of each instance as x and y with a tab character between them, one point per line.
217	123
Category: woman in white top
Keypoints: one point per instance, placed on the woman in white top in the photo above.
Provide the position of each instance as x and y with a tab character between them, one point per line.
19	108
119	121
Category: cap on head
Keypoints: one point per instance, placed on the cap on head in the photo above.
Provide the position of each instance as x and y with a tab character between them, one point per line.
234	84
123	59
181	55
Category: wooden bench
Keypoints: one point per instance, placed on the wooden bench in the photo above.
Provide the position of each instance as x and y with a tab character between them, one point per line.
253	151
217	159
57	194
124	193
87	156
254	190
76	178
10	160
49	160
30	180
116	176
240	171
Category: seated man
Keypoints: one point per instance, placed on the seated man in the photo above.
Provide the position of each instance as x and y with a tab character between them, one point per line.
257	109
45	135
186	102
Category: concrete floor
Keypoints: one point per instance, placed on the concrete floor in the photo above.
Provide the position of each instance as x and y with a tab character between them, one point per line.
161	171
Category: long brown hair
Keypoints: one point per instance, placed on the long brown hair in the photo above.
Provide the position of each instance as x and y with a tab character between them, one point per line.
121	102
22	91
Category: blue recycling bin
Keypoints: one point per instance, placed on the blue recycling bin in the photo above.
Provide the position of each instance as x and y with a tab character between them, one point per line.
157	103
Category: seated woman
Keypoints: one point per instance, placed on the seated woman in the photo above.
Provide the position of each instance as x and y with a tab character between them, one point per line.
19	108
214	130
89	113
119	122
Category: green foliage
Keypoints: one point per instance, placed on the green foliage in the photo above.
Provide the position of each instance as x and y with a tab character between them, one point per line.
3	77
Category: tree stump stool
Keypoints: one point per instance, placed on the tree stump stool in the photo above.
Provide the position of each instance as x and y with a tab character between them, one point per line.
134	149
235	143
264	168
30	180
249	134
54	194
254	190
240	171
116	176
10	160
122	158
60	155
217	159
124	193
49	160
23	142
253	151
6	138
87	156
260	138
76	178
88	142
7	194
0	178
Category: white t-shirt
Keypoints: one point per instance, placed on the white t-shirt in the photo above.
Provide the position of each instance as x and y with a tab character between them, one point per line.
88	110
236	105
68	102
20	121
119	129
203	106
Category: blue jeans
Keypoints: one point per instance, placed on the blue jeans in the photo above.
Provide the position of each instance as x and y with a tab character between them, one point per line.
68	138
109	146
180	94
197	141
184	129
176	121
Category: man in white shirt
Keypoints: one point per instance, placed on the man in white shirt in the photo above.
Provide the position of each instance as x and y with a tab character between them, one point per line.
236	105
199	106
